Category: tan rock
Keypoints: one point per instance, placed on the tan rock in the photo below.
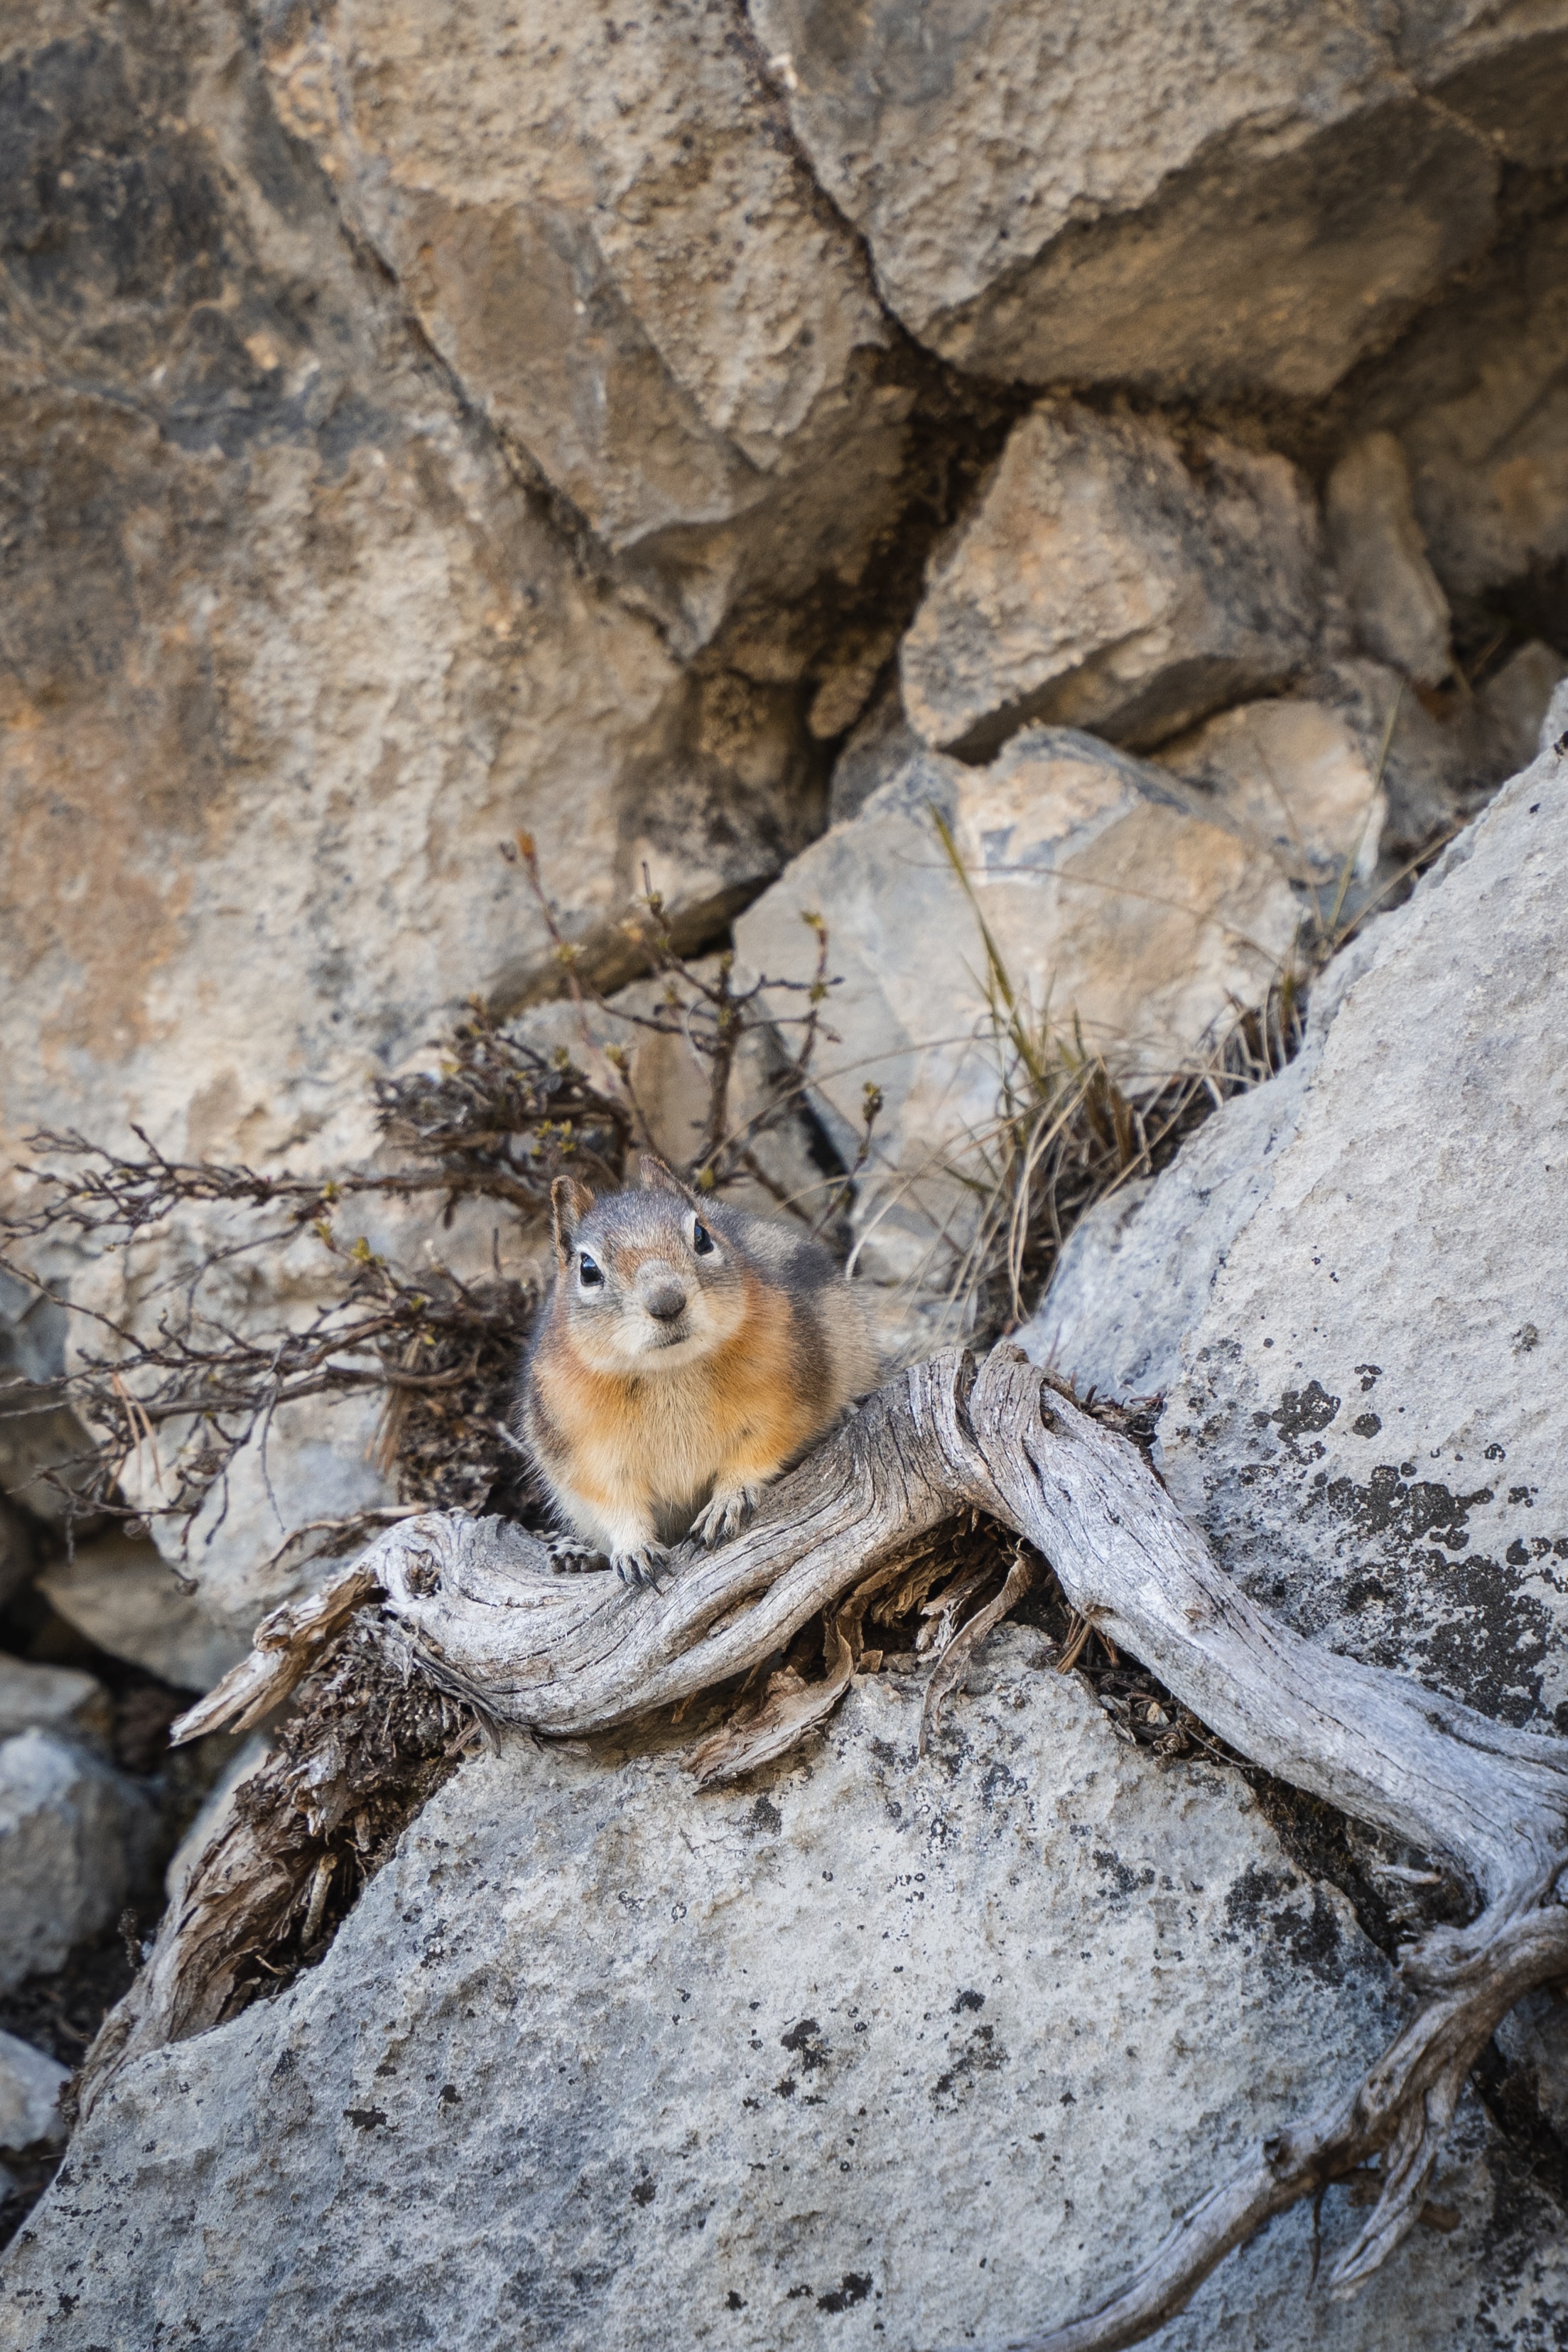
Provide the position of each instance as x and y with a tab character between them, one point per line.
293	647
1294	777
1119	914
1112	578
295	641
1191	198
606	230
1399	612
1422	761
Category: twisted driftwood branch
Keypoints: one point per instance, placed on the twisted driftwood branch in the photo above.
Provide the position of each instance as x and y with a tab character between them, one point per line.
478	1609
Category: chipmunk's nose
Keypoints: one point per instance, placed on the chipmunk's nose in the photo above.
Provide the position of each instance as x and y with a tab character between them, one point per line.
664	1300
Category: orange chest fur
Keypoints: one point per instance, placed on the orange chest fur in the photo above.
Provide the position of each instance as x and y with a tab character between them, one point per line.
674	1434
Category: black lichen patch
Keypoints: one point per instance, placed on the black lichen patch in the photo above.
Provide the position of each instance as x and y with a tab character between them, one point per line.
1121	1880
977	2052
808	2045
1405	1583
1469	1626
852	2288
1302	1412
1405	1510
1276	1911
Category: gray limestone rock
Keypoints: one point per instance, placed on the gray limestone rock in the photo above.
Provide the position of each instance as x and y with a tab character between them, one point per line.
51	1698
1352	1283
123	1596
37	1435
875	2051
30	2087
76	1837
876	750
1117	578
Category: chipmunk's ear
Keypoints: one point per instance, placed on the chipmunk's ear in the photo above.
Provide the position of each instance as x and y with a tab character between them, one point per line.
658	1177
569	1202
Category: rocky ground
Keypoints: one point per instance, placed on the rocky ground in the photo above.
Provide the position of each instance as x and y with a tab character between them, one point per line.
1077	501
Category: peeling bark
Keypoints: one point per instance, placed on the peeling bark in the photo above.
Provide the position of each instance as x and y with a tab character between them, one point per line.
478	1610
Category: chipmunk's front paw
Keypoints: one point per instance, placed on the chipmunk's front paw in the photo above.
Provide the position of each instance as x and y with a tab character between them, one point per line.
643	1564
570	1556
725	1515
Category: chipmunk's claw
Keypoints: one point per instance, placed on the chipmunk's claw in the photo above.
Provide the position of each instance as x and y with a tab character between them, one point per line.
644	1565
725	1515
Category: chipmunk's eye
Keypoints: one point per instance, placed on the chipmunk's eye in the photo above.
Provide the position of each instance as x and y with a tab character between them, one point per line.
589	1272
701	1240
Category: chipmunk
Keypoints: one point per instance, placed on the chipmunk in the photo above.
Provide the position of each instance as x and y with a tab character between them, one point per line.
686	1354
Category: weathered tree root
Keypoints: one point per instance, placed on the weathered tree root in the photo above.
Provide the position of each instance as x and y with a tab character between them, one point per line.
475	1607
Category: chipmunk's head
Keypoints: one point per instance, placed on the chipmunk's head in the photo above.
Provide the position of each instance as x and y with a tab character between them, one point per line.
646	1282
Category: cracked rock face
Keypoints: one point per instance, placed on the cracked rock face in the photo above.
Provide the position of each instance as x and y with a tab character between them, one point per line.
607	232
1054	194
291	646
873	2052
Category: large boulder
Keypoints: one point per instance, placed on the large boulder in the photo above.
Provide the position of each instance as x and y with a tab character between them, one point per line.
323	586
1117	577
879	2050
1353	1288
1192	199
